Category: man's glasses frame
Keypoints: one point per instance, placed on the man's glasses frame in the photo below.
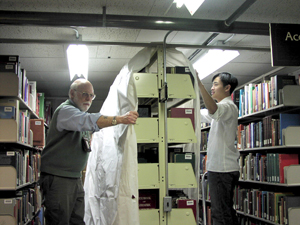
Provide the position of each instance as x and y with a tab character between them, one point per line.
85	95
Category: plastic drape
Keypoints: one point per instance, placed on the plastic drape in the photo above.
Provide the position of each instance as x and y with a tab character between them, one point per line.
111	183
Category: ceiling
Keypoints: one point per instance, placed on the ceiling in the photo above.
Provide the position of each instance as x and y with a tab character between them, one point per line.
39	31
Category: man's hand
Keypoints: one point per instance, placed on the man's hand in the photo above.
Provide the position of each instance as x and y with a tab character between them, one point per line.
128	118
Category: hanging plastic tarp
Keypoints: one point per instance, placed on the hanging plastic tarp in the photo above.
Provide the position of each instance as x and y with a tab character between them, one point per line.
111	183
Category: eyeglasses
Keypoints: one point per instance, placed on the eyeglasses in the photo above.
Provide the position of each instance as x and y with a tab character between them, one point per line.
85	95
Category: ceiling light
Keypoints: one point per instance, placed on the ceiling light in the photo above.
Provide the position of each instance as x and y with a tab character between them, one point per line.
213	60
78	56
191	5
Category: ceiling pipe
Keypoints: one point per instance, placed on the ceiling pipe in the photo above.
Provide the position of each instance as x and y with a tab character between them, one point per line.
131	22
130	44
239	12
227	23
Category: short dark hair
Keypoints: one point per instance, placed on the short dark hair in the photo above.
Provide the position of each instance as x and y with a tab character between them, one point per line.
226	79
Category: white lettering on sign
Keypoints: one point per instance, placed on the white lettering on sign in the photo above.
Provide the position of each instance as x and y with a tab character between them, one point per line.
291	37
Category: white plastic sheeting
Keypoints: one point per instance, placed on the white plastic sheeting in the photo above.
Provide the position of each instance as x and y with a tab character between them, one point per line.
111	183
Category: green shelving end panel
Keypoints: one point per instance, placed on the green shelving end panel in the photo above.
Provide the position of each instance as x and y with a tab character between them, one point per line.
10	133
146	130
8	178
148	175
180	130
181	175
181	216
180	86
149	217
146	85
9	84
6	219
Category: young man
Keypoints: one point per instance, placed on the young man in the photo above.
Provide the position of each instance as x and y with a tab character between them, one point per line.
66	153
222	156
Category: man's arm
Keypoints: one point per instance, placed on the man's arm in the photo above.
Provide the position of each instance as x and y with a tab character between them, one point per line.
128	118
209	102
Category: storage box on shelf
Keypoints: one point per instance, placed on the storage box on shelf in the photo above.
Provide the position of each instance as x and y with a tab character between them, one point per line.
150	132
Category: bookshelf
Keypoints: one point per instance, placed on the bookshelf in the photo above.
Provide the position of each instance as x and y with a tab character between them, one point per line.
20	197
269	160
156	134
254	149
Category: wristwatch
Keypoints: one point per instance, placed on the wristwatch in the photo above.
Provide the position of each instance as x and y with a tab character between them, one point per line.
114	121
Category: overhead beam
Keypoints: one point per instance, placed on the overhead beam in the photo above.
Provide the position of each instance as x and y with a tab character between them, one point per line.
132	22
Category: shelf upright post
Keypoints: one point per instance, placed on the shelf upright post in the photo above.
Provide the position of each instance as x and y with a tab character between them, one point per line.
162	146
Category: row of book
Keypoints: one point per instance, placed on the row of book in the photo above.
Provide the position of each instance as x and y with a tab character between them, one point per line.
29	131
267	132
268	205
204	140
23	207
255	97
25	162
266	167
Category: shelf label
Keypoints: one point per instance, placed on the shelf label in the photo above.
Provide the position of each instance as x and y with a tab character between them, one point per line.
8	201
10	153
188	156
190	202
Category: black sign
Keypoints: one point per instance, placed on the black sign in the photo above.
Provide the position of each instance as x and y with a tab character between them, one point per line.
285	44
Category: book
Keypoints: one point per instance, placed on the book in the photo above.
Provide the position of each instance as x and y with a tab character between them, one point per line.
286	160
32	95
9	67
279	82
286	120
185	157
7	112
38	129
9	58
242	103
289	202
13	158
188	203
41	97
183	113
235	96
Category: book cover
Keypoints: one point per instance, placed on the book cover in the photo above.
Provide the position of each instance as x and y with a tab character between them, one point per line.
9	67
183	113
7	112
286	120
241	103
289	202
279	82
286	160
188	203
38	129
235	96
185	158
9	58
41	97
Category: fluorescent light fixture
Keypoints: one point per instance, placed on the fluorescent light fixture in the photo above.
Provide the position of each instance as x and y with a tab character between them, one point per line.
78	60
213	60
191	5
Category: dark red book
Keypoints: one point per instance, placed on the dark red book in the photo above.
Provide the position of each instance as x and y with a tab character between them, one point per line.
188	203
286	160
183	113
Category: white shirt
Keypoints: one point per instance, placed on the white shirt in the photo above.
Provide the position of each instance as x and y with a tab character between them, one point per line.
222	155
